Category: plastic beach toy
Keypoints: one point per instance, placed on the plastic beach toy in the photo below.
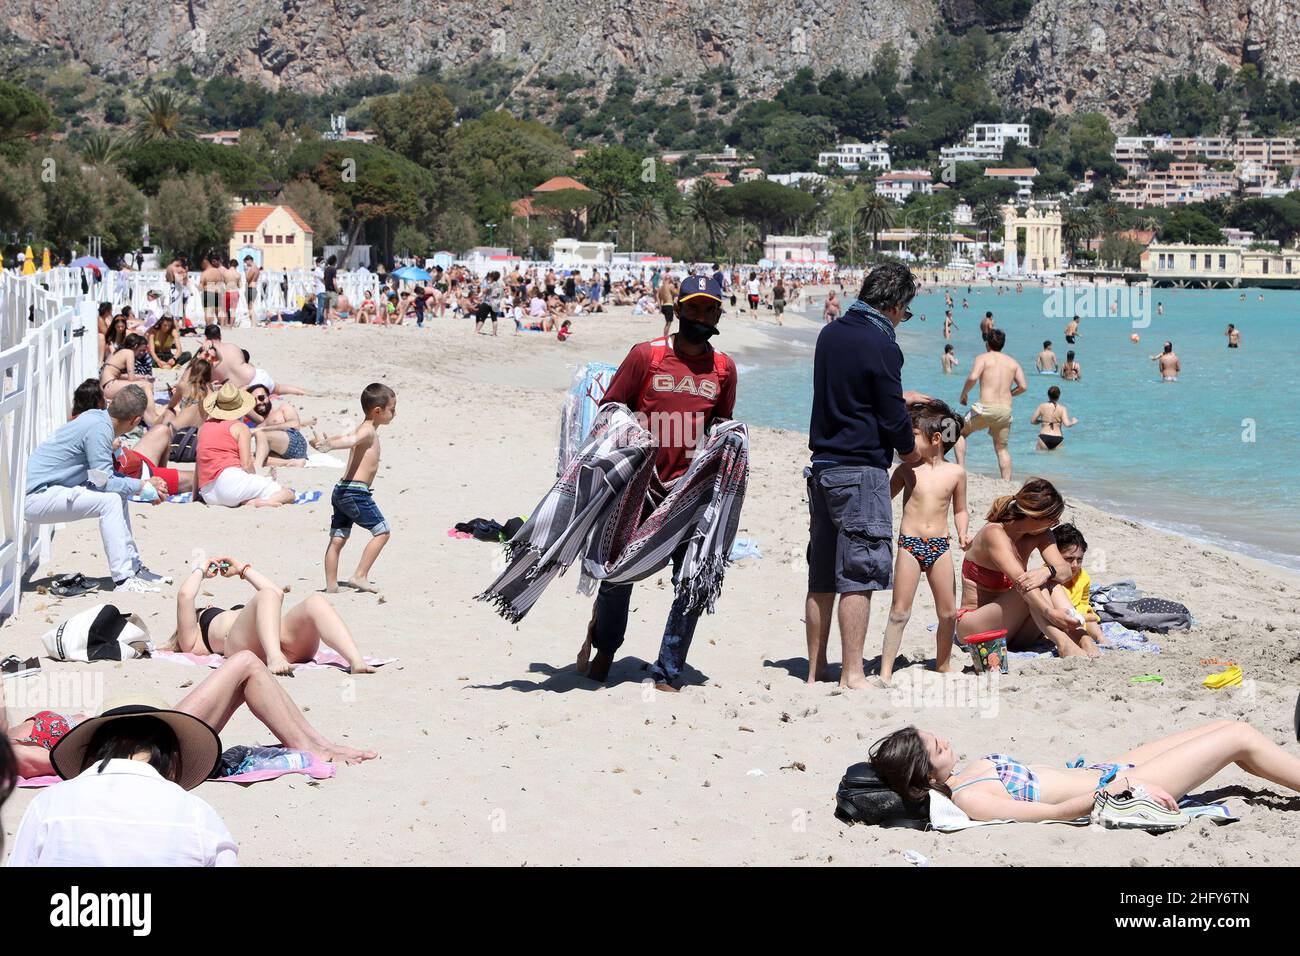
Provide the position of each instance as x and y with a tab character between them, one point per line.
1228	677
1146	679
989	650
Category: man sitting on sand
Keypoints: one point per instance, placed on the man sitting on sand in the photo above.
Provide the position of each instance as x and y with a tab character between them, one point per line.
1000	379
277	432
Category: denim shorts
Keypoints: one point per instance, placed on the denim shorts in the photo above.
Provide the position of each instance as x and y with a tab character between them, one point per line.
354	503
850	530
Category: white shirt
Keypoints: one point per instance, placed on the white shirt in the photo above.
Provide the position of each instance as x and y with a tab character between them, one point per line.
318	280
753	286
126	816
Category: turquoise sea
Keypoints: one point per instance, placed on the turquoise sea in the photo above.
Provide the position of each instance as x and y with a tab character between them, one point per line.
1213	456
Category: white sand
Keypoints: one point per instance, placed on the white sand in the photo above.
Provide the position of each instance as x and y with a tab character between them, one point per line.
495	751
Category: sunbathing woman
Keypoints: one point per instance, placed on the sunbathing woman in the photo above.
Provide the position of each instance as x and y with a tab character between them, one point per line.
185	409
243	679
122	369
998	787
259	626
997	592
164	347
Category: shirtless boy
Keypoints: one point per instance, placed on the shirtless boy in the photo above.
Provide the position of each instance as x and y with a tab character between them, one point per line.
353	499
1072	331
1000	379
929	489
1046	361
1234	336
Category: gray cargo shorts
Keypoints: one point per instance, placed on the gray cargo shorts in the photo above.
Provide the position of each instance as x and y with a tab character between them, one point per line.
850	529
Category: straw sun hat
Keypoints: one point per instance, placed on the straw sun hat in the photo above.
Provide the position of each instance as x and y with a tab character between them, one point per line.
199	743
228	403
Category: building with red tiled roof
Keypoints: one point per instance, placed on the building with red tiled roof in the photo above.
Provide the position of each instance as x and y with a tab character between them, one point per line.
275	236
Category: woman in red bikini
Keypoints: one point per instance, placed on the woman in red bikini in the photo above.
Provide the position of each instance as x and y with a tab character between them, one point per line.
997	590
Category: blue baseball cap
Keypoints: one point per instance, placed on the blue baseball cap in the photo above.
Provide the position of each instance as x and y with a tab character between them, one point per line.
695	286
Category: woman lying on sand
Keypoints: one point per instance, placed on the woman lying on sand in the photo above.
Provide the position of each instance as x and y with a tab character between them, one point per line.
258	626
997	592
243	679
998	787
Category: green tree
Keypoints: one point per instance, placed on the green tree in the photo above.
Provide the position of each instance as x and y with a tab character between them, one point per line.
315	206
874	214
1190	224
1078	224
22	204
191	215
770	204
161	116
419	124
705	209
148	164
22	112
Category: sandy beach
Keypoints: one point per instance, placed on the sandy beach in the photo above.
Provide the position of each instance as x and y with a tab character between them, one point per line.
494	751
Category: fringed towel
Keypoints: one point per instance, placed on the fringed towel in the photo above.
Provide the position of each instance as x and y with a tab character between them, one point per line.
596	508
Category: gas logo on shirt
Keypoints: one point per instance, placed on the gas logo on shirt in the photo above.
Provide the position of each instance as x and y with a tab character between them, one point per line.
663	382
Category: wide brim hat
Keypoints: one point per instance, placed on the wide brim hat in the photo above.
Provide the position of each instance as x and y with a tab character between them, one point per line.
228	403
199	743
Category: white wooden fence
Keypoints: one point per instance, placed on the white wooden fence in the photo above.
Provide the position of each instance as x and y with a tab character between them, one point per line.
48	346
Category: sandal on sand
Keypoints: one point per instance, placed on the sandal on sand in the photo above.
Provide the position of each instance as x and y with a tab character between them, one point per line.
12	666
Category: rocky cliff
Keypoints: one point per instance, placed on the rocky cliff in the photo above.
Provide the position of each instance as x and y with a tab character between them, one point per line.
311	45
1077	55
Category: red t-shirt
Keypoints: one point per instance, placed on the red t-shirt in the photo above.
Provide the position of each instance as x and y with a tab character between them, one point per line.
677	403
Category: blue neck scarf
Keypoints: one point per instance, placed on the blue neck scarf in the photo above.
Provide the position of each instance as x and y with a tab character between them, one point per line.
875	317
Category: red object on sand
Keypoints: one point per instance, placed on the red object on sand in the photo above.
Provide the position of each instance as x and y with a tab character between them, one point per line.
983	636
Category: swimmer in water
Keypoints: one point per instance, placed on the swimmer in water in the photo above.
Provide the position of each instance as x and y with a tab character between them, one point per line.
1051	417
1070	371
1046	361
1072	331
948	324
1160	308
1234	336
1169	364
949	360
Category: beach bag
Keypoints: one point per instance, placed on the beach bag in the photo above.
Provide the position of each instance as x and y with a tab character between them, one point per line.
864	798
99	633
1147	614
185	445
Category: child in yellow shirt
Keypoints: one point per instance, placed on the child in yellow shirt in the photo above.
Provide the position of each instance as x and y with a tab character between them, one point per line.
1070	542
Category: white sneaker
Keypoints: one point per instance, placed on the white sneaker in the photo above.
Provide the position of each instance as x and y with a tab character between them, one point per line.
1136	810
136	585
145	574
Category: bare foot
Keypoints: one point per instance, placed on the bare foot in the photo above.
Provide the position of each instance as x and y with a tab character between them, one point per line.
362	585
265	504
821	673
667	688
584	652
948	668
348	755
331	589
855	681
280	667
360	667
599	669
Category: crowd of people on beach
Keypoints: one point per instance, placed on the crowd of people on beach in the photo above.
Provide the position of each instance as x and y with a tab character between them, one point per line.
128	439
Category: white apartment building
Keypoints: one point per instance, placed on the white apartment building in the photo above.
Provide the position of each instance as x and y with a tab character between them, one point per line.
901	183
985	142
794	179
1022	176
851	157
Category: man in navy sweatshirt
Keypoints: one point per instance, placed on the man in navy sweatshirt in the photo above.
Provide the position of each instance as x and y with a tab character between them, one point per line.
859	419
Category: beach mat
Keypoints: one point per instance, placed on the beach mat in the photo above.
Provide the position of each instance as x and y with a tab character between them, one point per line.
323	659
319	770
304	498
947	817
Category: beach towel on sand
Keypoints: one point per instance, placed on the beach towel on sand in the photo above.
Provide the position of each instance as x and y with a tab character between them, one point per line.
318	770
323	658
595	510
303	498
947	817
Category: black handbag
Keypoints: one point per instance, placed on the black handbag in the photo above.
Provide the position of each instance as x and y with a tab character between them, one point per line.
864	798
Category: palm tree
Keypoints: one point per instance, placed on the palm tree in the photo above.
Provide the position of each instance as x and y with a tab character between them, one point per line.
645	212
875	213
162	116
1078	224
705	207
988	216
611	200
100	149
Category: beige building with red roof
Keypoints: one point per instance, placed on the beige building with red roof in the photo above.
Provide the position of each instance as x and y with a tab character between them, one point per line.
525	208
275	236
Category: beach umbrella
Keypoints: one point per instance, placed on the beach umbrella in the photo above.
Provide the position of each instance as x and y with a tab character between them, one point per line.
45	259
90	262
29	263
411	274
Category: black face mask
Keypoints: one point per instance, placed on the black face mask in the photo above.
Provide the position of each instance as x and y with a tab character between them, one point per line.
696	332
